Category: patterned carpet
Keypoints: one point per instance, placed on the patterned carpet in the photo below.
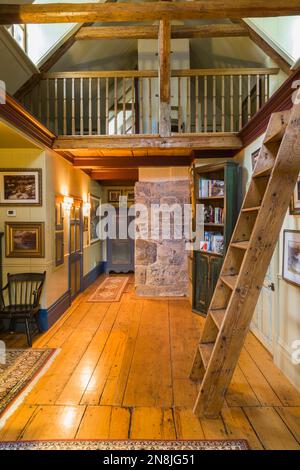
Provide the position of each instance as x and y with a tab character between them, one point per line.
19	371
126	445
110	290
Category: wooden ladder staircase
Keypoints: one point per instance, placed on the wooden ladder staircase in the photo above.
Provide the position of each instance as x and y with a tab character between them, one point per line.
247	260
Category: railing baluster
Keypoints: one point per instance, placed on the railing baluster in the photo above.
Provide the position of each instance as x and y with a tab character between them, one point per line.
240	103
64	107
188	104
223	103
90	108
124	105
141	83
205	103
73	107
150	106
106	106
179	106
266	88
116	105
132	107
249	99
98	107
257	92
40	101
231	103
81	107
214	103
47	103
197	103
55	106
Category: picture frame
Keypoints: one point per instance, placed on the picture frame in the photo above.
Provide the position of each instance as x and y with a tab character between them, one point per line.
20	187
59	248
94	218
129	193
291	257
295	200
113	195
85	223
25	239
59	213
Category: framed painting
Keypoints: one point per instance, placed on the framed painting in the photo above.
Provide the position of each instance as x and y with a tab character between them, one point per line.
295	201
25	239
59	248
59	214
291	256
113	195
85	223
129	193
94	218
20	186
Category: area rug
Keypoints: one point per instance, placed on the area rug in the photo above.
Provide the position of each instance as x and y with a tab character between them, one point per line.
20	369
112	445
110	290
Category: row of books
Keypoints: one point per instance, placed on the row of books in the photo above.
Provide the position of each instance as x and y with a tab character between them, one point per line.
213	215
213	241
211	188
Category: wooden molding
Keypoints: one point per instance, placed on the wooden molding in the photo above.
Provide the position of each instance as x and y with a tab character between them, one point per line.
151	32
115	174
119	12
119	162
279	101
15	114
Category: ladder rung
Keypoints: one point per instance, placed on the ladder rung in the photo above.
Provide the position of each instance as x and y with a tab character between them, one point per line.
230	281
240	245
218	316
265	172
251	209
206	350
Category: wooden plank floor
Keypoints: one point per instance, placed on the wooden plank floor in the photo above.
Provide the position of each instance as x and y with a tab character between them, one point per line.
123	373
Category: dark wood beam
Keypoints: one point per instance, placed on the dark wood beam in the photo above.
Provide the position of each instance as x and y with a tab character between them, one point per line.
115	175
118	12
204	141
151	32
164	50
119	162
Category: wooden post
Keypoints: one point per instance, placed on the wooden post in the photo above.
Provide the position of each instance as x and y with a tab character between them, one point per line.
164	43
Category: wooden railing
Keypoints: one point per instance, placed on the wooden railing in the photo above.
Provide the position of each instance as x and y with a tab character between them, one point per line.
127	102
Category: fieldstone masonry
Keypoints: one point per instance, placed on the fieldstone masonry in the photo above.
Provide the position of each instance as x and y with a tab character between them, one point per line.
161	267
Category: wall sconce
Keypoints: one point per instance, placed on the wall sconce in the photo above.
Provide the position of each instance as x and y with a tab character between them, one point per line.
68	202
86	209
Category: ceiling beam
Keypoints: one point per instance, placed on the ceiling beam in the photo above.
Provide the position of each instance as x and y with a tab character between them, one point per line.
112	175
151	32
120	162
118	12
116	143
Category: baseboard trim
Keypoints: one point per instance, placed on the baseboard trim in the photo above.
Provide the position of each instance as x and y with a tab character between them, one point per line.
48	316
91	277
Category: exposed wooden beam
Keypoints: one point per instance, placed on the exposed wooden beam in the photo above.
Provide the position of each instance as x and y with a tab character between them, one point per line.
131	162
164	50
113	175
204	141
151	32
118	12
266	48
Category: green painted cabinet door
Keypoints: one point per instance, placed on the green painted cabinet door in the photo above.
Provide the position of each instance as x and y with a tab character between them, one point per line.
201	284
215	269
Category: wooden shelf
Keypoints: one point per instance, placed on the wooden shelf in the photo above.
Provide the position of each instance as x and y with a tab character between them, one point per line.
240	245
211	224
218	316
230	281
206	351
214	253
251	209
210	198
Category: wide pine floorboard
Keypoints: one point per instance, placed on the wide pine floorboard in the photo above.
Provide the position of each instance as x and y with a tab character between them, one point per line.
122	372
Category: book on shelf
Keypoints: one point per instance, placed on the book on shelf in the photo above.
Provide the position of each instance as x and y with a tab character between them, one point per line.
213	241
213	215
211	188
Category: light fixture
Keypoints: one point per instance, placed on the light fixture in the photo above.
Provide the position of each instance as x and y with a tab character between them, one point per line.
86	209
68	202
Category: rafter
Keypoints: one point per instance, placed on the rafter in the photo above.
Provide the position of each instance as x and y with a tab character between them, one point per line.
201	9
151	32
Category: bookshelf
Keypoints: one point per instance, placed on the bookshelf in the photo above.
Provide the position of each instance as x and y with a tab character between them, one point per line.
216	189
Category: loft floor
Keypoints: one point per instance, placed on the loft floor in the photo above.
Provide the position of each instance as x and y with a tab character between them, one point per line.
123	373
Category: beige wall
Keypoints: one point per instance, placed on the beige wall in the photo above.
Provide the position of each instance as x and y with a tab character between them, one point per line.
287	297
59	177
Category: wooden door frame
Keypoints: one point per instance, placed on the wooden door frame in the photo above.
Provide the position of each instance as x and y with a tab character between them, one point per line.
81	251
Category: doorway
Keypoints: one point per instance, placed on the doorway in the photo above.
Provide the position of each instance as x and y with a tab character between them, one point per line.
120	251
75	249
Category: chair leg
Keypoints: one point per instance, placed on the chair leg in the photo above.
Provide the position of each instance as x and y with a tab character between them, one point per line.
28	332
12	325
37	323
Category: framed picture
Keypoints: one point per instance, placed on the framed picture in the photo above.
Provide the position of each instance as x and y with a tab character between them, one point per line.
25	239
129	193
254	158
85	223
59	248
113	195
59	214
94	218
295	201
20	186
291	256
